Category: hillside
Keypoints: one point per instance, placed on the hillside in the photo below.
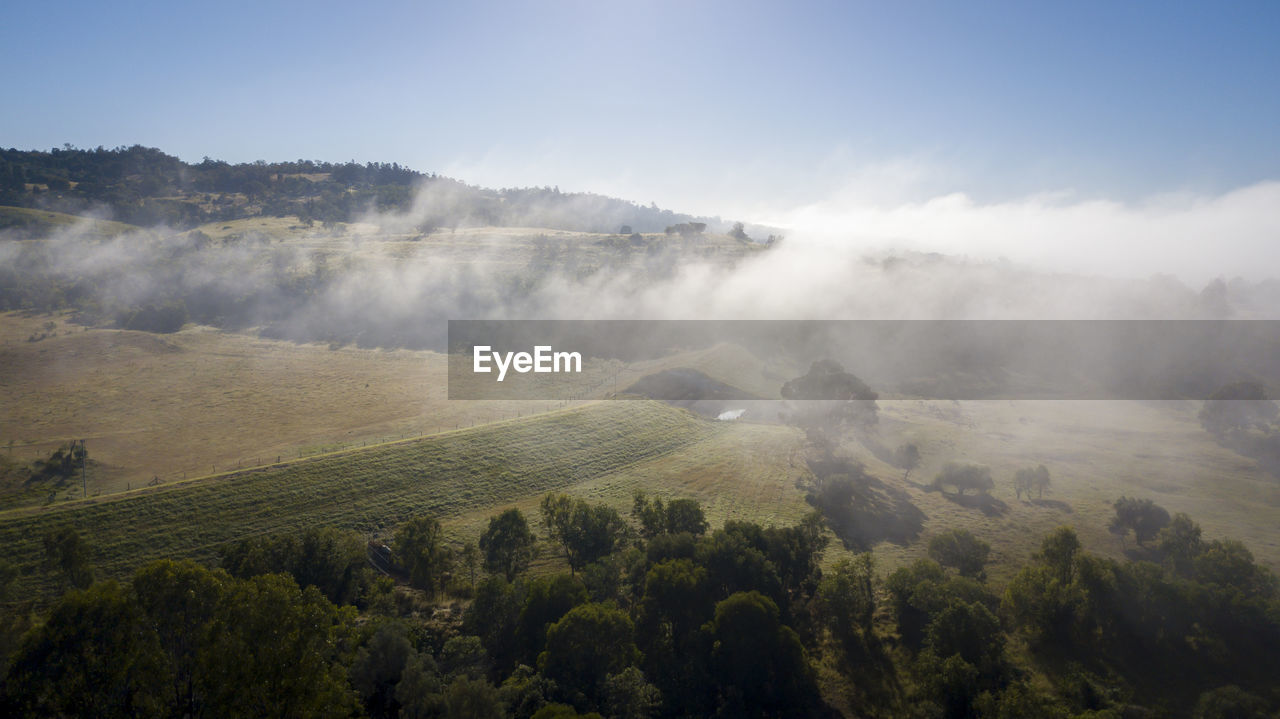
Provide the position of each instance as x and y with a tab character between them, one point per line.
144	186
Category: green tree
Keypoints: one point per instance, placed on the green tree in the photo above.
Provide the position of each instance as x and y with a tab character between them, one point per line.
1179	543
466	698
1230	702
377	667
180	601
274	645
971	631
588	644
681	515
628	695
960	550
964	477
1143	517
419	690
586	532
757	662
494	616
546	600
507	544
463	656
420	548
65	550
330	559
95	655
847	601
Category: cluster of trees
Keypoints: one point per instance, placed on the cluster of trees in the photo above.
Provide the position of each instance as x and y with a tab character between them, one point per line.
659	616
962	477
1206	605
1029	478
1241	417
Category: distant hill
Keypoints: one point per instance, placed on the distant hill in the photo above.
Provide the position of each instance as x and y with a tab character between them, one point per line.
144	186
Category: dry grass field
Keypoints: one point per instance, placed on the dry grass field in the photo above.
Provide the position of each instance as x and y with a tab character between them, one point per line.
201	401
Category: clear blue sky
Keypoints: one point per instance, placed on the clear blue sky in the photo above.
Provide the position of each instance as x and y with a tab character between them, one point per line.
684	103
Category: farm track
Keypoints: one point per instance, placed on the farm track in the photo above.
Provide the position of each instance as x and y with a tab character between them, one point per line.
370	489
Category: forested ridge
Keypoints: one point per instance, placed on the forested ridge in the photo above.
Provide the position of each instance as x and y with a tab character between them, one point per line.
144	186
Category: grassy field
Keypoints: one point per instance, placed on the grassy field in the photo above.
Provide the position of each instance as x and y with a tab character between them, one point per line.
200	401
375	488
1095	451
35	223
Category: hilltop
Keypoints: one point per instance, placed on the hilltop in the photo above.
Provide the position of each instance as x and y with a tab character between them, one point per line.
144	186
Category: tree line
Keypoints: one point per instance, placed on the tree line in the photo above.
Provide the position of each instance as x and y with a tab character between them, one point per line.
658	615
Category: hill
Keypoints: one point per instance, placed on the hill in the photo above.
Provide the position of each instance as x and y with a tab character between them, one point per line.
144	186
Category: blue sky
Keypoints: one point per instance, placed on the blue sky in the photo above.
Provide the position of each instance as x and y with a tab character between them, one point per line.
713	107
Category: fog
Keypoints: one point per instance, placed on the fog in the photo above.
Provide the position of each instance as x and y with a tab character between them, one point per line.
393	278
1194	237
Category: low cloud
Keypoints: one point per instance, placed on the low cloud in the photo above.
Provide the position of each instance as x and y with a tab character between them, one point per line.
1193	237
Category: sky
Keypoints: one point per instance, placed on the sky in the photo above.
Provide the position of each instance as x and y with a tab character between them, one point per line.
792	113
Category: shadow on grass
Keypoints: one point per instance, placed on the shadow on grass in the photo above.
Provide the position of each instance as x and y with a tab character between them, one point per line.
862	510
988	505
1053	504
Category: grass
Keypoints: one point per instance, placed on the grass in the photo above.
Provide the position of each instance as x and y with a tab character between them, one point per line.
35	223
1095	452
200	401
370	490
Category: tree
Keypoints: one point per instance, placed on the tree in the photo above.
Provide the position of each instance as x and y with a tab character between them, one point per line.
847	600
828	398
1179	543
65	550
586	532
1237	406
964	477
680	515
757	662
420	548
330	559
628	695
959	549
378	666
494	616
95	655
419	689
507	544
466	698
907	457
1028	478
470	558
546	600
738	232
587	645
1230	702
969	630
1141	516
276	645
180	601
